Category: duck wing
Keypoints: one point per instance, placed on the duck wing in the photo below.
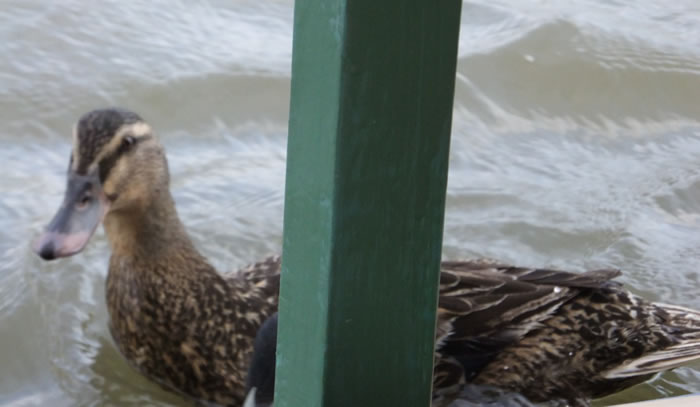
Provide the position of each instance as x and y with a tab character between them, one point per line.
484	306
488	299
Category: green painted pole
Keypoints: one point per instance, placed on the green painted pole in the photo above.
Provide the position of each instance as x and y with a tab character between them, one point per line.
369	128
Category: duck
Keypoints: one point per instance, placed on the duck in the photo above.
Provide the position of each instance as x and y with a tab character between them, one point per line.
547	334
542	333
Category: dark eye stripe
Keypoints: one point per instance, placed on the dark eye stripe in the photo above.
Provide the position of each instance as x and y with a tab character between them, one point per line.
107	163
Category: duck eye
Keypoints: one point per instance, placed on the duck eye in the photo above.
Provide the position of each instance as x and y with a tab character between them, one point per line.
129	141
84	201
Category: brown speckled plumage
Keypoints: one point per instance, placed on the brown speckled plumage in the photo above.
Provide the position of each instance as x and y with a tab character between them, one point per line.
551	334
544	333
191	332
172	315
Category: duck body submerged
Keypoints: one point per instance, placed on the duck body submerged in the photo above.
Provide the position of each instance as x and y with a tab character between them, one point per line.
547	334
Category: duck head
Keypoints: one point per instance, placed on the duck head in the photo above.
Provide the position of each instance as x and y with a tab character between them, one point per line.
116	166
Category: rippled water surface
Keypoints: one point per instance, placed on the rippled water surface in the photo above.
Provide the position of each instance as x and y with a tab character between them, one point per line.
576	143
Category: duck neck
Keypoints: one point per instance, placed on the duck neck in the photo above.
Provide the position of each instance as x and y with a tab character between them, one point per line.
152	231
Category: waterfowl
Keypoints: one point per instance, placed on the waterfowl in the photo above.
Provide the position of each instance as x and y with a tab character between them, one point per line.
548	334
172	315
545	334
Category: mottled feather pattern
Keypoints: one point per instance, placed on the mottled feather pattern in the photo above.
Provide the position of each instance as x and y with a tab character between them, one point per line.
550	334
498	325
193	332
545	333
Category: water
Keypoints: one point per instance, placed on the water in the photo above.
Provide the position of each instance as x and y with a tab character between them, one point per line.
576	142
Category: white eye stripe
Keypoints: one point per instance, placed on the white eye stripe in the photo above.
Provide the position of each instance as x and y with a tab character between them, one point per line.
136	130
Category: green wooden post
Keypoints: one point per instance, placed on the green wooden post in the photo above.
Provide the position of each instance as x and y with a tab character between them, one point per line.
371	110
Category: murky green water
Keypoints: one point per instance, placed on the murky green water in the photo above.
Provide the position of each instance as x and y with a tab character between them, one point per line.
576	144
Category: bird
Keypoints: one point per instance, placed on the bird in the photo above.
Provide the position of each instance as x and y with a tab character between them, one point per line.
547	334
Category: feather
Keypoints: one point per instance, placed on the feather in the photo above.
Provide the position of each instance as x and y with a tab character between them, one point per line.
664	359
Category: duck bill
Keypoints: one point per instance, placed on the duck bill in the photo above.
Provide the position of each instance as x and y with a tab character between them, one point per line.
83	208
